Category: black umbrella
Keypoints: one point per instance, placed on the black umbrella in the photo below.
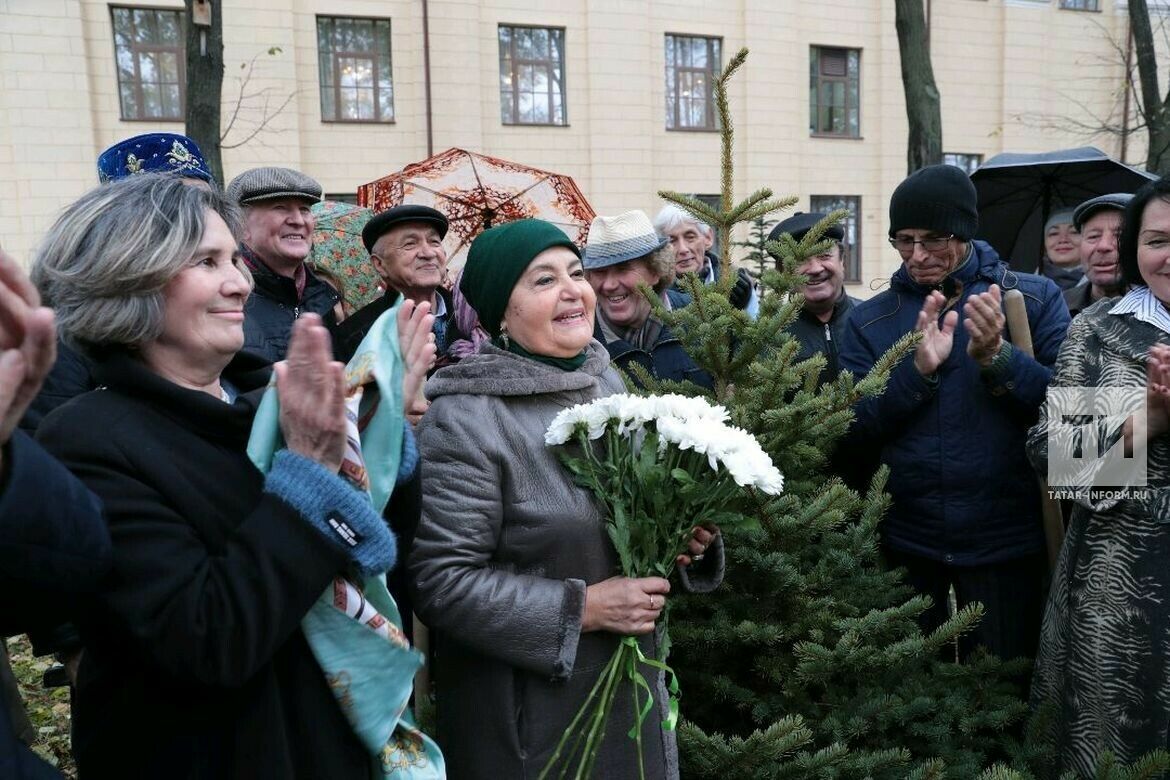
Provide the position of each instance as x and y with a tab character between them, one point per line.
1017	192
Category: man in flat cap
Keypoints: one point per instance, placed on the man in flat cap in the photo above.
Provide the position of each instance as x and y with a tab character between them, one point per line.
406	249
822	318
1098	220
278	237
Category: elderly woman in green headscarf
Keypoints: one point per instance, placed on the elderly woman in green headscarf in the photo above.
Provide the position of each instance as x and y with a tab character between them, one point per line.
511	566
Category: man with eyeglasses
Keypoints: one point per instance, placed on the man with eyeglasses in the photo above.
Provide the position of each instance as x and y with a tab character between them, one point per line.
821	320
952	422
1098	220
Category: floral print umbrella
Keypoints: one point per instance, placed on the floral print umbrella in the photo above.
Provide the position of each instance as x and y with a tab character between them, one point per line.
476	191
338	249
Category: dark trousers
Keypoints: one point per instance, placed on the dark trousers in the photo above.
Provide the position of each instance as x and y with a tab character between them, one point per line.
1011	592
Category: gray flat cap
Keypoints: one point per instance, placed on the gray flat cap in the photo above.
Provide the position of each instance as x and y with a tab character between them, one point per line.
260	184
1114	200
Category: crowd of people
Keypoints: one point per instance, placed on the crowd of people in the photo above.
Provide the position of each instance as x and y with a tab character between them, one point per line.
175	579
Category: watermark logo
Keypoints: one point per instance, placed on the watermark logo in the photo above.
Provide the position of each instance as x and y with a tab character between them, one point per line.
1086	449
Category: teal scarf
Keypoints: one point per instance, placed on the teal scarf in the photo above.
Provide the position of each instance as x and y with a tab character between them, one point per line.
372	676
564	364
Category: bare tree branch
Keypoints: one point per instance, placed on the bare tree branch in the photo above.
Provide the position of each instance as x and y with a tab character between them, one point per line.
255	103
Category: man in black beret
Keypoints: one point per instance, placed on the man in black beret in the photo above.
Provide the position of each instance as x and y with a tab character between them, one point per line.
406	249
822	318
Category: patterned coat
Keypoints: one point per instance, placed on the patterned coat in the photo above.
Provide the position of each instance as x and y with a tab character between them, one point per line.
1103	668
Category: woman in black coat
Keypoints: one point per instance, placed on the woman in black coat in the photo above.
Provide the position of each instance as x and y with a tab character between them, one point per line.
195	662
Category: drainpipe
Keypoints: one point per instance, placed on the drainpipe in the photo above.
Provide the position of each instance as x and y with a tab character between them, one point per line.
1128	83
427	77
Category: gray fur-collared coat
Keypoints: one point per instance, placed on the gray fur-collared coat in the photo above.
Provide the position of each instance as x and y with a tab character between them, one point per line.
504	552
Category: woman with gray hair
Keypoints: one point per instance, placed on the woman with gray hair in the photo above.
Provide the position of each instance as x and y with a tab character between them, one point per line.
194	646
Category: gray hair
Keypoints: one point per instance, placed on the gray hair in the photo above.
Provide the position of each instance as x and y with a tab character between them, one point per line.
671	216
105	261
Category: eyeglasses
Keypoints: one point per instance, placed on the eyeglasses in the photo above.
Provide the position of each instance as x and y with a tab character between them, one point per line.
906	245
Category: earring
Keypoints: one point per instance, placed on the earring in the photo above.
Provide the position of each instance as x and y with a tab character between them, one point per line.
504	335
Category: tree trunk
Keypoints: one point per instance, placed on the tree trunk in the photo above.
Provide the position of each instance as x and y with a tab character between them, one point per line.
1154	108
205	84
923	106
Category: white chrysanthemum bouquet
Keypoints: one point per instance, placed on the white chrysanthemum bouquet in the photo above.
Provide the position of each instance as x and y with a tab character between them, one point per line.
660	465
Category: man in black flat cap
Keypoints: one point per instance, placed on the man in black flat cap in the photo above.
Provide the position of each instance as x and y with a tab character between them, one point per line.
820	323
1099	221
406	248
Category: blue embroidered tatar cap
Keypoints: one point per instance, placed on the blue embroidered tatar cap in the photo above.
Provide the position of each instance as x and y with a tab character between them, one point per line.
155	153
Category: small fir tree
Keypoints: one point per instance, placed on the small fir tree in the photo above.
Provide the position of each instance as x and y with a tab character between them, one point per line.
757	254
809	662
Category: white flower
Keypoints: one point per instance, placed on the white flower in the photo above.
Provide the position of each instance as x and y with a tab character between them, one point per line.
597	417
691	424
560	430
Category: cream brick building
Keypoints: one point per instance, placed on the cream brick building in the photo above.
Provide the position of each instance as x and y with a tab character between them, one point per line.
1008	71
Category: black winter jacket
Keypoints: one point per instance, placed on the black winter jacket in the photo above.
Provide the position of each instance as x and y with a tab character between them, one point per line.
823	338
54	551
195	663
273	306
961	486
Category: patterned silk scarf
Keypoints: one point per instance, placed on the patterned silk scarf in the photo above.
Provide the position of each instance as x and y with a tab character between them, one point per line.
354	629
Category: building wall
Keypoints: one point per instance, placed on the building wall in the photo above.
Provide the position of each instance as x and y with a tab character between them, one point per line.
1011	73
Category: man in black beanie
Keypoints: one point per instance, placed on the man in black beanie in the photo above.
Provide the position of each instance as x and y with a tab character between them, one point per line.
952	422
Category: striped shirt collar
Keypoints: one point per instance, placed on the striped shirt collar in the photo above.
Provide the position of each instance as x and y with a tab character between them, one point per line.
1142	304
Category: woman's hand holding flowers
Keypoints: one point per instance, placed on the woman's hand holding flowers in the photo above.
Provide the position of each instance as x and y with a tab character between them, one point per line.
624	605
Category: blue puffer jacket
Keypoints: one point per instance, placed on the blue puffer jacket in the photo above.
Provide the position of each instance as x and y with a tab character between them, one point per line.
666	359
963	491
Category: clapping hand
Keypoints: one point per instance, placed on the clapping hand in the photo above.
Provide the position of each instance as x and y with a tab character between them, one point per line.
28	344
984	324
937	340
417	343
311	387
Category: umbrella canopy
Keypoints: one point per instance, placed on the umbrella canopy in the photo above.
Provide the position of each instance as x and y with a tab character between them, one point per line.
1017	193
476	192
338	248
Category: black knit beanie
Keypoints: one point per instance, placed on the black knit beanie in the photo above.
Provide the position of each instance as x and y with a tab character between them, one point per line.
940	198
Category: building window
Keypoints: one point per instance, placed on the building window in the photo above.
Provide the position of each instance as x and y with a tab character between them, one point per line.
692	66
968	162
353	61
149	50
834	92
532	76
851	246
1081	5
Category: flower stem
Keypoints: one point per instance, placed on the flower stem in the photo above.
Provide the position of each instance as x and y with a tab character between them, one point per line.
601	714
572	727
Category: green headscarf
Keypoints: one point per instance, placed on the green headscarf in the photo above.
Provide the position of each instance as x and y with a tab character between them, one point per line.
496	261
